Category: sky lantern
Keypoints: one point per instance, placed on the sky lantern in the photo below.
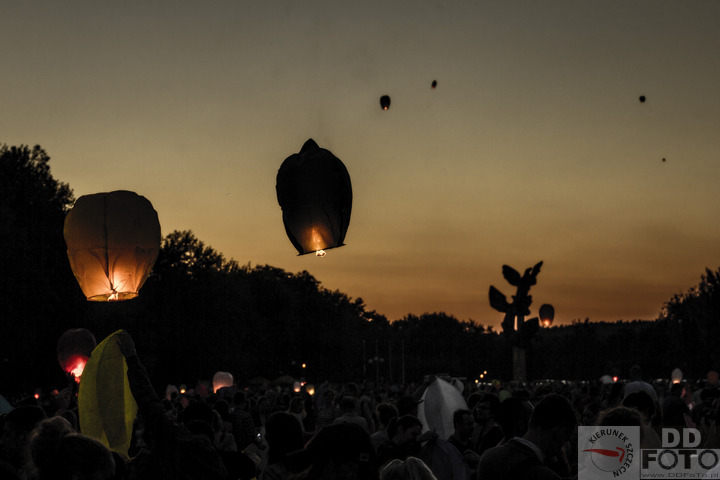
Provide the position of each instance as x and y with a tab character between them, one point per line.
113	240
434	84
222	379
385	102
547	314
315	194
74	349
106	406
676	376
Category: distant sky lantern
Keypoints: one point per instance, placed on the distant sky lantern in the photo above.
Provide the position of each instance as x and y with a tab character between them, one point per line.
676	376
222	379
74	349
385	102
315	194
113	240
434	84
547	314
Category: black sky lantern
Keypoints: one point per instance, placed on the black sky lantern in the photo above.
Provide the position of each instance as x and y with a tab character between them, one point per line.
314	191
547	314
385	102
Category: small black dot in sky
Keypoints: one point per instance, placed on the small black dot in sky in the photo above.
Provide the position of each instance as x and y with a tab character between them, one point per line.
642	98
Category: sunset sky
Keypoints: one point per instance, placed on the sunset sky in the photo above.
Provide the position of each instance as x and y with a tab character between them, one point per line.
534	145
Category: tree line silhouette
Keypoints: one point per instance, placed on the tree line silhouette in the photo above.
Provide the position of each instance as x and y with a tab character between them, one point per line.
199	313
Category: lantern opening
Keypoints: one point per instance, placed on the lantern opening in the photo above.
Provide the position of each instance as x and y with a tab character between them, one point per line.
320	253
113	296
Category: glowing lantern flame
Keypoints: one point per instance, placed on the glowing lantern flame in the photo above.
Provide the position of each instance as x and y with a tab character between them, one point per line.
77	366
320	253
615	379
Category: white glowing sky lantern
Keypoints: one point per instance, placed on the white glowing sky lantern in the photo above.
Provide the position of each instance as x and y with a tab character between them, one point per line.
74	349
676	376
113	240
314	191
222	379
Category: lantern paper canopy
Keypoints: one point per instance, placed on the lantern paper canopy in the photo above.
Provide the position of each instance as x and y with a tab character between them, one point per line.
547	314
74	349
314	191
113	240
106	406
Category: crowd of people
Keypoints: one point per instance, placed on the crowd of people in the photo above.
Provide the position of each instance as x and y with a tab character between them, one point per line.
344	431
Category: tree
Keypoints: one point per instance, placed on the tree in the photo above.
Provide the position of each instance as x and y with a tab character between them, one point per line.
695	316
38	293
